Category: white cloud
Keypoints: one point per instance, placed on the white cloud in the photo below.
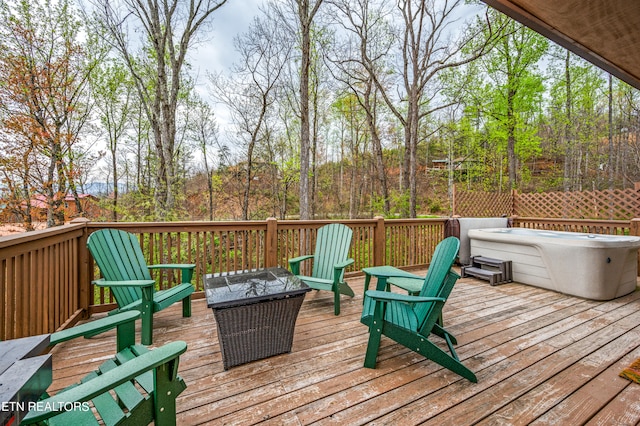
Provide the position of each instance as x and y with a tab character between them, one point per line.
216	53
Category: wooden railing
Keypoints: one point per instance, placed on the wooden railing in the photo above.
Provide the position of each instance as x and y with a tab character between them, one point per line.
45	275
229	246
40	283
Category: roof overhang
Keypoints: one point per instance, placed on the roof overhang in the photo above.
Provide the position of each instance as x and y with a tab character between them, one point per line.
604	32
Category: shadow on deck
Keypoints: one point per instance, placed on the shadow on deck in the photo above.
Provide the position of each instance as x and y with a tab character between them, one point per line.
539	356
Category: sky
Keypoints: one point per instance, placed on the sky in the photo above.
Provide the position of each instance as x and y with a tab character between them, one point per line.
216	52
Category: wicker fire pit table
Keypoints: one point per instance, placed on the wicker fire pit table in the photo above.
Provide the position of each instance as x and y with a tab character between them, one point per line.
255	312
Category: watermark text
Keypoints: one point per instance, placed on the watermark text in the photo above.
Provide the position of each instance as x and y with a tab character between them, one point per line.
43	406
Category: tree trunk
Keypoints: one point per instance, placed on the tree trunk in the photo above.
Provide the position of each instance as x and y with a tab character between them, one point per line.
511	139
567	134
305	205
305	19
377	147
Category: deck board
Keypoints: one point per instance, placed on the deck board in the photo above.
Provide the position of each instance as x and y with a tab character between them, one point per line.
540	357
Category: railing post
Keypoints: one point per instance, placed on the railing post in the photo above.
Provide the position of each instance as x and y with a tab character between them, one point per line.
379	242
634	229
271	242
84	276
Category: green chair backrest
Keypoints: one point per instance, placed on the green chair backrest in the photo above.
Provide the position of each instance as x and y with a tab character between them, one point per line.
332	247
119	257
437	277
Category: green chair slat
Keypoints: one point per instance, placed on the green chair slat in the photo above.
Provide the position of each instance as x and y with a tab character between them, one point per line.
434	283
76	417
332	247
146	379
400	314
107	407
127	393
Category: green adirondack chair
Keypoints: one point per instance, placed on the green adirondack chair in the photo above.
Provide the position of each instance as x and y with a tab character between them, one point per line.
125	272
144	382
330	259
410	320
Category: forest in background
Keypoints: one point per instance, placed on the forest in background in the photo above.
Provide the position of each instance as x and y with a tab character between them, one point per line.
334	108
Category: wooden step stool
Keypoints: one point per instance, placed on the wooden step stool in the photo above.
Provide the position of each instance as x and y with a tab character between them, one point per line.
496	271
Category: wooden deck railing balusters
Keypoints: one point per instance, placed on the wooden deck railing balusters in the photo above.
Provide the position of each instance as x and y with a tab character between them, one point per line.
45	276
39	281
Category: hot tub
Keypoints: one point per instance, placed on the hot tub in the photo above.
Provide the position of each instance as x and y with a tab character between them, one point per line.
599	267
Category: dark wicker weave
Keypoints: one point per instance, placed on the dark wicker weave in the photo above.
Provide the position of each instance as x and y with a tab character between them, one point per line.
259	330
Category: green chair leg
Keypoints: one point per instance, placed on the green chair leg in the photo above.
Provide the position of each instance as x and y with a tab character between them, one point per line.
186	307
146	315
375	334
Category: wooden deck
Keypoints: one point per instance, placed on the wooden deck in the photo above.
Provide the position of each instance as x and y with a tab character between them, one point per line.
540	357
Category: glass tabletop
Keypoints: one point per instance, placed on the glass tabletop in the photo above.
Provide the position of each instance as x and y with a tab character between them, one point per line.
244	287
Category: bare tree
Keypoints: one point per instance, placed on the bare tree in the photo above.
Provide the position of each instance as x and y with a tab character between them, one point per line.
426	48
169	29
203	131
112	91
306	13
251	90
359	61
298	18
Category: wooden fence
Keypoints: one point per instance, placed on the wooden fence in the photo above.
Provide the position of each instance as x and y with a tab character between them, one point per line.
607	204
482	204
45	275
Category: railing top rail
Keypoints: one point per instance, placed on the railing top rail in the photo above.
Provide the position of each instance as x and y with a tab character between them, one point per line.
418	220
316	223
244	225
176	226
27	237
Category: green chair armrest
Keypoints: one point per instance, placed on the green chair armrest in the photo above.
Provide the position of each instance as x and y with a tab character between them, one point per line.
94	327
294	263
109	380
300	258
389	272
186	269
339	268
130	283
343	265
172	266
385	296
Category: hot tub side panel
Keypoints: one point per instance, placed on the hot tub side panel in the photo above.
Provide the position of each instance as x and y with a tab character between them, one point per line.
570	267
591	272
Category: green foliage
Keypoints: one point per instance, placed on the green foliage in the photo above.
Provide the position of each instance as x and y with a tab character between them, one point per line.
400	202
